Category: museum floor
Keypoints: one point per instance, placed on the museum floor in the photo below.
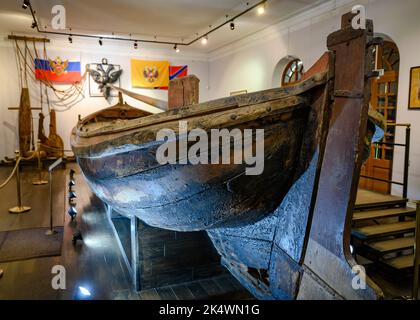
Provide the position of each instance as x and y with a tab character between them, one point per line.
96	263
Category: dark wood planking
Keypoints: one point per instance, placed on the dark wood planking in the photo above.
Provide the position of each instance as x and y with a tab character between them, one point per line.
166	293
150	294
183	292
383	229
197	290
383	213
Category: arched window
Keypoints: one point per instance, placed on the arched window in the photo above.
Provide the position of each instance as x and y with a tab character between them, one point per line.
292	73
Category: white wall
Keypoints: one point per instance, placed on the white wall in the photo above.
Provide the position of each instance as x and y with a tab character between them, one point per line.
249	63
246	64
86	51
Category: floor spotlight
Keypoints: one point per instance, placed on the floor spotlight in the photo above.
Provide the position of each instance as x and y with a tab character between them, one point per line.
82	293
77	236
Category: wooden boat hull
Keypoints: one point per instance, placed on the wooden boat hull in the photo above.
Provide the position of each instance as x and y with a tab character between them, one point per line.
315	133
187	197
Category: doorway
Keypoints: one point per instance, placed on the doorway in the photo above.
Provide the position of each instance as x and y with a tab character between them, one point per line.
384	100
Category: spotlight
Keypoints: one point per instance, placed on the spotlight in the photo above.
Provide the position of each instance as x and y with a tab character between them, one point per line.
77	236
72	195
71	183
232	26
70	39
82	293
135	45
261	9
85	292
72	172
25	4
100	41
204	40
34	25
72	212
176	48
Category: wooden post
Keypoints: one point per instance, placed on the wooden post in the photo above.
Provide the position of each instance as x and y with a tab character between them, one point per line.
328	263
183	92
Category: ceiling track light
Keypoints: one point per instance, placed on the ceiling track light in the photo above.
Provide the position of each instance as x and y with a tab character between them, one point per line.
204	40
70	39
260	6
261	9
135	45
34	25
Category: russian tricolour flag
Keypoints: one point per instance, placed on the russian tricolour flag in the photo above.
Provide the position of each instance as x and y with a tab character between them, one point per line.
58	71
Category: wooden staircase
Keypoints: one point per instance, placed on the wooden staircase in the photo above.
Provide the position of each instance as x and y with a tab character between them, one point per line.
384	230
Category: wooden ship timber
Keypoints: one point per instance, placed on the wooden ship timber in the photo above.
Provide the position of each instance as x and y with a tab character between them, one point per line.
285	233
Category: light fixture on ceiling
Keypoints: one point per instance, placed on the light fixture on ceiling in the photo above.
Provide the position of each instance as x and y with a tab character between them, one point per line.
34	25
260	6
261	9
204	40
71	41
135	45
176	48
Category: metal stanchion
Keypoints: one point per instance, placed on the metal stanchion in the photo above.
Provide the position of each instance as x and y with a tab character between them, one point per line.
40	181
19	208
416	254
50	170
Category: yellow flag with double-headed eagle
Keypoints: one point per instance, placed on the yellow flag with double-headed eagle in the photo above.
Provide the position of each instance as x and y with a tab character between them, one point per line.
149	74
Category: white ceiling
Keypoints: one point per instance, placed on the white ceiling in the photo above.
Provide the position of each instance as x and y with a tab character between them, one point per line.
169	20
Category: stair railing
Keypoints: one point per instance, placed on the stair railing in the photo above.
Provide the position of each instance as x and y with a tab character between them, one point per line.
416	253
406	145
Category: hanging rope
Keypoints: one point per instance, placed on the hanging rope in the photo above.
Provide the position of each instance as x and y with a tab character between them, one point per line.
68	97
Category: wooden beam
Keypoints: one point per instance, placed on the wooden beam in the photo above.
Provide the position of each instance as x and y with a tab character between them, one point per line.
17	108
155	105
29	39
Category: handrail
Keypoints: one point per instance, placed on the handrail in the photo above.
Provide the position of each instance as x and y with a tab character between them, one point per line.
416	253
406	145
